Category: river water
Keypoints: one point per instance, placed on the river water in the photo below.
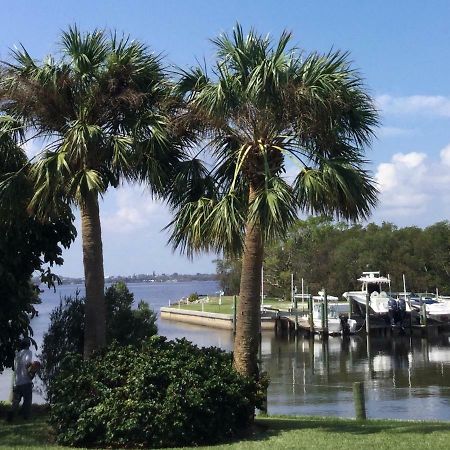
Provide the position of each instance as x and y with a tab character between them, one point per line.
406	378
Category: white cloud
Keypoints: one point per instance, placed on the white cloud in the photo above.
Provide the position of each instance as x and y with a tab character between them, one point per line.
445	155
135	210
411	160
386	176
413	188
436	105
387	132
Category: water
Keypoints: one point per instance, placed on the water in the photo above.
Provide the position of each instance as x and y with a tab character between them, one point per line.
406	378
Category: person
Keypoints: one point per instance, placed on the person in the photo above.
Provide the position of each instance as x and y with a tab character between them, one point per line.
22	385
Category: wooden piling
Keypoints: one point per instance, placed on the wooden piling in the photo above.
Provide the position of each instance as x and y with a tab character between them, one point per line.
423	313
325	301
359	400
322	316
310	313
296	313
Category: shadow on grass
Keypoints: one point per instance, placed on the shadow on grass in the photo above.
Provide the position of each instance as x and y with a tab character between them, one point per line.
273	425
25	433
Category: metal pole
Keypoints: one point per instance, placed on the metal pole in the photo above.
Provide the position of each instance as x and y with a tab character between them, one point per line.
367	313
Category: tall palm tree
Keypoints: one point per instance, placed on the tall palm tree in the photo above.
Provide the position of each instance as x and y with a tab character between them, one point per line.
100	113
266	110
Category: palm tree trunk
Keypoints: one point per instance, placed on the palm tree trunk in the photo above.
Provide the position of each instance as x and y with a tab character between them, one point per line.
249	309
95	322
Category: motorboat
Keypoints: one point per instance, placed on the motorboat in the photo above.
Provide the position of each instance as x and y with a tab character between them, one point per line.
336	324
436	308
375	285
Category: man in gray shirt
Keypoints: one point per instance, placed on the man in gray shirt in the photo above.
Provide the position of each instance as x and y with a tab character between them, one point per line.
23	386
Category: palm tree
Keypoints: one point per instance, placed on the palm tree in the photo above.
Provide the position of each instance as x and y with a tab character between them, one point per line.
267	110
100	113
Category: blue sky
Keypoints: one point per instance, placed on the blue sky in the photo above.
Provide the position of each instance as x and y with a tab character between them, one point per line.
402	49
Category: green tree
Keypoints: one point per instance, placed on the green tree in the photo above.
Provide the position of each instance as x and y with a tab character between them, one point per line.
101	112
266	104
333	255
229	274
27	246
125	325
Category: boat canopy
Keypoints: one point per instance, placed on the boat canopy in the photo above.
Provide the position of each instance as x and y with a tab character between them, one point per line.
373	277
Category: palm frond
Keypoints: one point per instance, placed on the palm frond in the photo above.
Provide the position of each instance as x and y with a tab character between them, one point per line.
209	225
273	209
336	188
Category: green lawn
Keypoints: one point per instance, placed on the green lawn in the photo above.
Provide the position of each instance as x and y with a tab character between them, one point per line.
227	305
279	433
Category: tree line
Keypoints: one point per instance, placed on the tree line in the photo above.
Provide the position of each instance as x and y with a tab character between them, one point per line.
334	254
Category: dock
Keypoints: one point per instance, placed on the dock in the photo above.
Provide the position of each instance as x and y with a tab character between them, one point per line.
285	324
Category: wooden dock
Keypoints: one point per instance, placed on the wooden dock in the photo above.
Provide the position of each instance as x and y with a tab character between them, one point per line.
285	324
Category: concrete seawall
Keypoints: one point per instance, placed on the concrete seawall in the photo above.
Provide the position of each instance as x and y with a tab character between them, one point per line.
208	319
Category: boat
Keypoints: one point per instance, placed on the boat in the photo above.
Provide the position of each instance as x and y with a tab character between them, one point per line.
436	308
379	301
336	324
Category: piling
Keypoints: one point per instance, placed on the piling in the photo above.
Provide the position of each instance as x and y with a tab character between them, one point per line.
234	314
296	314
359	400
322	316
423	313
310	313
367	313
325	301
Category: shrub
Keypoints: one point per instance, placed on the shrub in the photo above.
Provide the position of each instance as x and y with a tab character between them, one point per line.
65	335
124	325
170	393
193	297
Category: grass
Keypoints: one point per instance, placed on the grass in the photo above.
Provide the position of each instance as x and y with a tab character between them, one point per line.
277	433
226	306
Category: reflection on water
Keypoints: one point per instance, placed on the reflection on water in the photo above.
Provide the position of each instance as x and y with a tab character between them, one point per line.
406	378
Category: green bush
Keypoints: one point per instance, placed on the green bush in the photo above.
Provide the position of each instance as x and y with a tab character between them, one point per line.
124	325
193	297
170	393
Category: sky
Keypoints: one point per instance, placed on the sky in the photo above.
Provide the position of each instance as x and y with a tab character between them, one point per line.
402	48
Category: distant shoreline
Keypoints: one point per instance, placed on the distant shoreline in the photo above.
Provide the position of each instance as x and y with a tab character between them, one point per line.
143	278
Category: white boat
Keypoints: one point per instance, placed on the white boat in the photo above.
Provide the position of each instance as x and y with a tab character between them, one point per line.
374	285
436	309
336	325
